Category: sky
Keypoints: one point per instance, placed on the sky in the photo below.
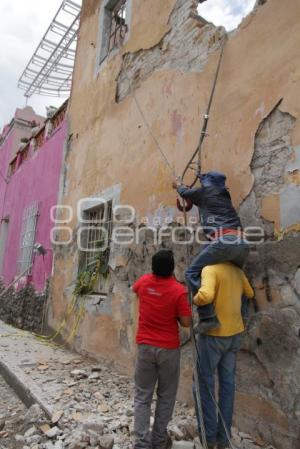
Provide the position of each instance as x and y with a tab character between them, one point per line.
24	22
228	13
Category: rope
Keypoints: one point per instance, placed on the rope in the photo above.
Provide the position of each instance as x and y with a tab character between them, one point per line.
194	351
196	358
196	354
147	124
203	133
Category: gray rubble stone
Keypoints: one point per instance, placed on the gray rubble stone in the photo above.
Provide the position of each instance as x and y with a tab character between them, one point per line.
59	445
53	432
176	432
197	443
32	431
94	438
77	445
94	423
79	374
34	439
245	436
19	438
34	414
49	445
106	442
95	376
183	445
190	429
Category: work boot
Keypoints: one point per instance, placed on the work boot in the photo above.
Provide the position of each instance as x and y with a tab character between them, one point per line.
167	445
206	325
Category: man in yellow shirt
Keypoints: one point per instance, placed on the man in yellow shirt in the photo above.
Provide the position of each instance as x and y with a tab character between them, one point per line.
223	285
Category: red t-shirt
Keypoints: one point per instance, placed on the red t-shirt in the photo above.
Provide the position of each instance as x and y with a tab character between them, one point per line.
161	302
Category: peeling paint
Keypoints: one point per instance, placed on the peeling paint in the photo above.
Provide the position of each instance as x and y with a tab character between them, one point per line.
290	206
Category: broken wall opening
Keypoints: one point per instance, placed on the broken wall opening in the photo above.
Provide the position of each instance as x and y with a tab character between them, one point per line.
272	153
185	47
272	342
226	13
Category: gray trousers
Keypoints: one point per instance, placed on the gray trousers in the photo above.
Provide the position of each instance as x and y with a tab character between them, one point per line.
161	366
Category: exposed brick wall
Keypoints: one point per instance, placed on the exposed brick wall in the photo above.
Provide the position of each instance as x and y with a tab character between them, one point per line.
185	47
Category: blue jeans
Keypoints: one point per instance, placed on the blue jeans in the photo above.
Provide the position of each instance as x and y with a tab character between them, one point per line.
217	354
229	248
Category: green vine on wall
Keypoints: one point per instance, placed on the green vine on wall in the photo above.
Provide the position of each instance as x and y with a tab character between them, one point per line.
87	279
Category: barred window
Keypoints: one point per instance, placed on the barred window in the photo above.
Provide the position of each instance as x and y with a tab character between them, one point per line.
27	239
97	236
118	25
114	26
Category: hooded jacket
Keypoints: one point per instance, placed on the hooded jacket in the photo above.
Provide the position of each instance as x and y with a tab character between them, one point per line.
214	202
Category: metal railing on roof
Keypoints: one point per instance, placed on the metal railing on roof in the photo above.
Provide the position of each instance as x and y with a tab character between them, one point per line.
49	71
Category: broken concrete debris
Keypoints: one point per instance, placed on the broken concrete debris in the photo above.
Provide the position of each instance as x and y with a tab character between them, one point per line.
90	414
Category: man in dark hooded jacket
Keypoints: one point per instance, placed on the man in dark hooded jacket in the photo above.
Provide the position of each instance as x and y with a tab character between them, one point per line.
223	230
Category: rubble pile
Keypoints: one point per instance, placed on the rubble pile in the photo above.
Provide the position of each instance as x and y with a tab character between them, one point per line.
93	409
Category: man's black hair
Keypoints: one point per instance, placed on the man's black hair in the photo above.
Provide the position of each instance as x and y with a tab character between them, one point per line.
163	263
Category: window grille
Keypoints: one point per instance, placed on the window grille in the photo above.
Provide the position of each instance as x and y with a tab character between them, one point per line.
27	239
114	26
98	236
118	25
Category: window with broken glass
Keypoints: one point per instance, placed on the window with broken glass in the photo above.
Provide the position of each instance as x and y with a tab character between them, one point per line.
98	224
114	26
27	239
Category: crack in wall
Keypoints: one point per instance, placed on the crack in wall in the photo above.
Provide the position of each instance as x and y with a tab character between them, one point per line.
272	152
186	47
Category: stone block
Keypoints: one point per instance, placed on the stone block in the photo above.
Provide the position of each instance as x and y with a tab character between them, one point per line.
184	445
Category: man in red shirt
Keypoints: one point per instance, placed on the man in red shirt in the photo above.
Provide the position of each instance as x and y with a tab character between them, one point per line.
162	304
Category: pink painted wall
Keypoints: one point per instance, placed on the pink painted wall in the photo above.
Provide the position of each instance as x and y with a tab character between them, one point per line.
5	152
36	180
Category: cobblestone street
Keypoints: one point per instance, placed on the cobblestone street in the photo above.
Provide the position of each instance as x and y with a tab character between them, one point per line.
11	410
85	404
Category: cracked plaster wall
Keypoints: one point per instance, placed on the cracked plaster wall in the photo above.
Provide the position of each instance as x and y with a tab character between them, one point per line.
272	346
254	135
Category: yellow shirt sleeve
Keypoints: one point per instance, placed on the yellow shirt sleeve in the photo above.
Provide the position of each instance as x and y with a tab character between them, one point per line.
247	289
207	292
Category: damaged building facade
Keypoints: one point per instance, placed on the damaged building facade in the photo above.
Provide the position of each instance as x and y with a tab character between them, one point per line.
30	162
142	79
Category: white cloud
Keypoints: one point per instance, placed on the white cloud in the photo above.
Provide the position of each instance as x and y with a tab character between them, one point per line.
22	25
228	13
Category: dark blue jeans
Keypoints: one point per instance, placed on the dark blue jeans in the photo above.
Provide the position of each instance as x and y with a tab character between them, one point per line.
229	248
217	355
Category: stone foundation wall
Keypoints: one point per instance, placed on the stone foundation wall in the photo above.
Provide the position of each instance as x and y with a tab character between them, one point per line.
268	385
23	309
